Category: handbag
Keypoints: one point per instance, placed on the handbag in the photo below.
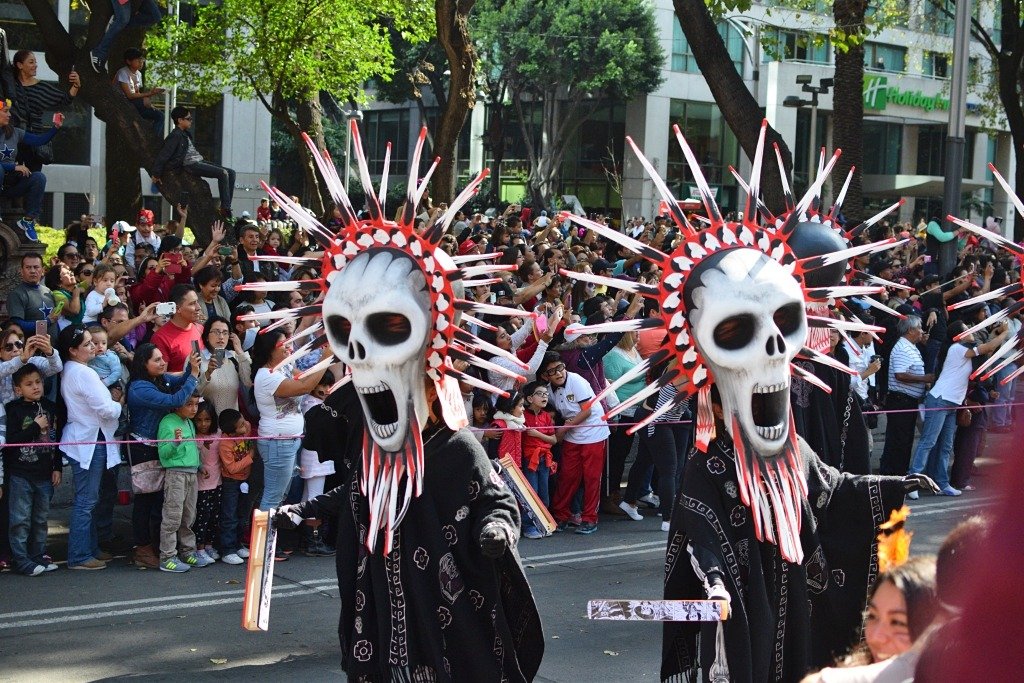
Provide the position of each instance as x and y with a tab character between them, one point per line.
148	476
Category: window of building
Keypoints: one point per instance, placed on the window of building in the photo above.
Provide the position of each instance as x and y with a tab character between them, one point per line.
936	64
75	205
22	32
937	17
682	56
796	46
714	145
931	151
883	147
882	57
378	129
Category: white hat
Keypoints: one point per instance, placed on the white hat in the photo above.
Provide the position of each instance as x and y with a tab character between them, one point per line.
246	214
123	227
573	332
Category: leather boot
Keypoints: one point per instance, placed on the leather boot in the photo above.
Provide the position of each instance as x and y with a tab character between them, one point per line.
610	504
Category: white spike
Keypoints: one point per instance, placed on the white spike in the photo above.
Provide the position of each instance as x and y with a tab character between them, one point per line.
323	364
840	325
749	211
614	283
382	193
659	183
988	234
610	234
680	398
810	377
707	198
821	358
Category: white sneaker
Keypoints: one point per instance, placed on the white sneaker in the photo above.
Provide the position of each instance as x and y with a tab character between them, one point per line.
212	552
205	556
664	526
651	500
243	553
631	511
50	567
913	495
232	558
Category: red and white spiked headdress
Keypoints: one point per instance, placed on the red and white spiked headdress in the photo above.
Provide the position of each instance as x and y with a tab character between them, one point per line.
390	308
743	268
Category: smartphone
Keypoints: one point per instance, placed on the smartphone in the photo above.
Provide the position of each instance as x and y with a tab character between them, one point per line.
195	346
166	309
541	322
129	281
493	298
174	267
59	307
114	234
225	251
219	355
927	258
42	327
58	119
184	198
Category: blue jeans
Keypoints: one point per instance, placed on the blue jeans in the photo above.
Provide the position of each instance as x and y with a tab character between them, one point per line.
278	469
936	444
30	506
233	507
83	543
538	481
1001	414
31	187
147	15
155	118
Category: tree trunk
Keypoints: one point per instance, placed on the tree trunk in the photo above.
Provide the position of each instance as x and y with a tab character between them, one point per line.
309	115
452	18
124	124
739	108
1010	61
496	145
848	106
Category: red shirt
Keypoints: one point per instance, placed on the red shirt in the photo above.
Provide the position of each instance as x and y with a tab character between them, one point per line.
263	213
533	448
176	344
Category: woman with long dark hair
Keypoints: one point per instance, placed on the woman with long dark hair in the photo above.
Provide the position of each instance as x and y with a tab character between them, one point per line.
32	99
277	395
152	393
225	367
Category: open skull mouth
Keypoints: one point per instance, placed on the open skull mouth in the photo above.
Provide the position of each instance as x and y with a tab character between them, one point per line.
382	408
769	409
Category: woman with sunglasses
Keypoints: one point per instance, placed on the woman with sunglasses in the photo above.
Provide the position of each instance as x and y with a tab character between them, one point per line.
93	413
21	181
16	352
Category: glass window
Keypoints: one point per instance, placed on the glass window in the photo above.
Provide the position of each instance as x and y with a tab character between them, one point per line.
931	151
937	17
883	146
207	124
682	56
881	57
714	145
389	125
22	32
936	64
797	46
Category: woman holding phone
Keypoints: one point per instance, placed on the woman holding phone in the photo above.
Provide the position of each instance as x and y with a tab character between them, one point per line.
225	368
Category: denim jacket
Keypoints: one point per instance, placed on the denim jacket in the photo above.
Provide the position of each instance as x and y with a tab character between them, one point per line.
147	404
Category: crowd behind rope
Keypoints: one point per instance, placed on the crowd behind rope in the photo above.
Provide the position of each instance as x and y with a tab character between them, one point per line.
207	416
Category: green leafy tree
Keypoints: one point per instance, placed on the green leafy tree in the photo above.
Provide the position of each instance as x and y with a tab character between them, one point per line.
284	53
568	58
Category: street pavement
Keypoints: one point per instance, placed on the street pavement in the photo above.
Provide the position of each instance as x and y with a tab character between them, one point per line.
123	623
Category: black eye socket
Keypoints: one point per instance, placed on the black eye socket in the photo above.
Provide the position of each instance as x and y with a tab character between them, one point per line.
734	333
787	318
340	328
389	329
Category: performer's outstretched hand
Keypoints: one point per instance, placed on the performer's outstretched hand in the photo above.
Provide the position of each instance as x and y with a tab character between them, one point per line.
494	540
287	517
717	589
919	482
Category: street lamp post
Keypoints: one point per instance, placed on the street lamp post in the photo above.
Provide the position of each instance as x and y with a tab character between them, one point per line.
349	114
955	141
823	87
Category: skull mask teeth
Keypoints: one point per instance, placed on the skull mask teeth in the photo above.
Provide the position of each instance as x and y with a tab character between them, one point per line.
377	318
748	321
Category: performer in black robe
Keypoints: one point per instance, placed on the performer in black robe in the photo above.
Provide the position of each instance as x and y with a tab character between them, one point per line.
785	619
435	608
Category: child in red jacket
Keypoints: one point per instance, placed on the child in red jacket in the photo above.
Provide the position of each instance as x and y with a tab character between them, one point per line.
538	438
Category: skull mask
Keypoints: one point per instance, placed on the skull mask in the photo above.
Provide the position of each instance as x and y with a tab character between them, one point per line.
747	317
377	314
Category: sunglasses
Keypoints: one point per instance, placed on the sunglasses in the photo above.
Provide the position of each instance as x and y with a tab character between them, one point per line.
87	272
13	346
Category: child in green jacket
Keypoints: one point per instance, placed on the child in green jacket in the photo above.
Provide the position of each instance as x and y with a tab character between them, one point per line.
179	454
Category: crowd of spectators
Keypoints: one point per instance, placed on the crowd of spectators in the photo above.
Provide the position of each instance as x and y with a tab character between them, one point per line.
147	337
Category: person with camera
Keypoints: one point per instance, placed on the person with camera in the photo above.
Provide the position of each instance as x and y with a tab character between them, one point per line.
182	335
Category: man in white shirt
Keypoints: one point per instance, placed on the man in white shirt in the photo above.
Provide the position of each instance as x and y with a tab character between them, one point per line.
907	384
584	443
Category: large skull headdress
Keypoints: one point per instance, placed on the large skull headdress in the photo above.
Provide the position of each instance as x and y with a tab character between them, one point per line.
732	299
390	313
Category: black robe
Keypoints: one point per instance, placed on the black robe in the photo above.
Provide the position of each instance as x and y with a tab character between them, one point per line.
785	619
435	609
832	424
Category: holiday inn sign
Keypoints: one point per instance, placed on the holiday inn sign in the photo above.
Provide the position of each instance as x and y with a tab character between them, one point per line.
878	94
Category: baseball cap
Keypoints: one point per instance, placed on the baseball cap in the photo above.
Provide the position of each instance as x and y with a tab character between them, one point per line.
146	217
246	214
573	332
502	290
466	247
600	265
122	227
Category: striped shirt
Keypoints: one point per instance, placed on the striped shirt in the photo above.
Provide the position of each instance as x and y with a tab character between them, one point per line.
906	358
31	102
666	394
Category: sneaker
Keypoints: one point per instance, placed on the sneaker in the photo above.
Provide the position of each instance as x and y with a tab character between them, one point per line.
586	528
650	500
203	555
243	553
232	558
575	519
29	228
664	526
212	552
562	526
950	491
197	560
533	532
92	564
104	556
174	565
913	495
96	63
36	570
50	567
631	511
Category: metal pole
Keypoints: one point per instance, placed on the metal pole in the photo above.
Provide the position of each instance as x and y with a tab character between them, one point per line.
812	153
348	148
955	141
